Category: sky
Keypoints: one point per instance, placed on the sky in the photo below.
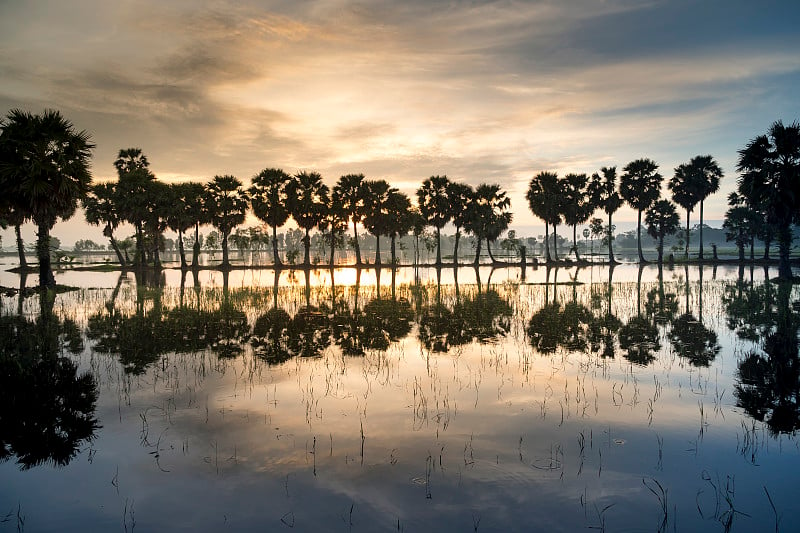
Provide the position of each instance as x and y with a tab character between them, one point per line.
480	91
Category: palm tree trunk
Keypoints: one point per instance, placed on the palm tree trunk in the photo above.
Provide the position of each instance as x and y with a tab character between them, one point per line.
275	259
555	242
196	245
546	242
478	250
489	249
224	250
307	246
23	264
639	237
660	249
115	247
377	249
181	251
701	231
767	243
687	234
357	247
394	256
140	252
610	238
753	248
333	245
46	278
455	247
740	244
575	241
438	247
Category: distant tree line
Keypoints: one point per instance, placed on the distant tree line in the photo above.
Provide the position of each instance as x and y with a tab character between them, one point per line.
44	176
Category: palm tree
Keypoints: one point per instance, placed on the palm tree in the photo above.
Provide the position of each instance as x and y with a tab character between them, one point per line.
707	173
333	226
543	199
400	218
738	226
488	216
159	204
12	215
576	207
269	199
227	204
349	194
132	193
769	167
685	192
640	186
194	199
461	195
181	215
661	220
434	205
377	218
603	194
308	201
101	208
45	168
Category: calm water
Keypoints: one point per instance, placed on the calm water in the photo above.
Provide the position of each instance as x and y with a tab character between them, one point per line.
483	402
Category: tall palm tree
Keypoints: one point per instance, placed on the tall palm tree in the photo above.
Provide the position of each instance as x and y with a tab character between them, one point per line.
269	199
159	204
488	216
576	207
194	198
181	217
132	193
661	219
377	219
227	205
308	201
769	166
333	227
100	207
603	194
45	168
685	192
349	194
708	175
544	201
434	205
400	218
640	186
461	195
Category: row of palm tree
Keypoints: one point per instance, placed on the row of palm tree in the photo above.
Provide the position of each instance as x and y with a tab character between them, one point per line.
573	199
44	175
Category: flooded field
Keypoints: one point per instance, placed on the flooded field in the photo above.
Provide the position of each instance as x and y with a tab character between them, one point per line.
468	400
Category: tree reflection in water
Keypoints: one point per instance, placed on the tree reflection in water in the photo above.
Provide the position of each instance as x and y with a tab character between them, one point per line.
768	387
556	325
50	427
691	339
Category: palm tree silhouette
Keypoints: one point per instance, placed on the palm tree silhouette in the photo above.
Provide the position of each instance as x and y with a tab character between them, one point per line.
227	204
269	200
640	186
44	169
349	194
544	201
308	201
434	205
603	194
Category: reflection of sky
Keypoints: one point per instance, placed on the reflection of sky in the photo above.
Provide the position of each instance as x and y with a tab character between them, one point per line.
501	423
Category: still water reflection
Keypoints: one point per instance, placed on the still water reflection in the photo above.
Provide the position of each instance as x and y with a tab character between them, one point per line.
638	399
